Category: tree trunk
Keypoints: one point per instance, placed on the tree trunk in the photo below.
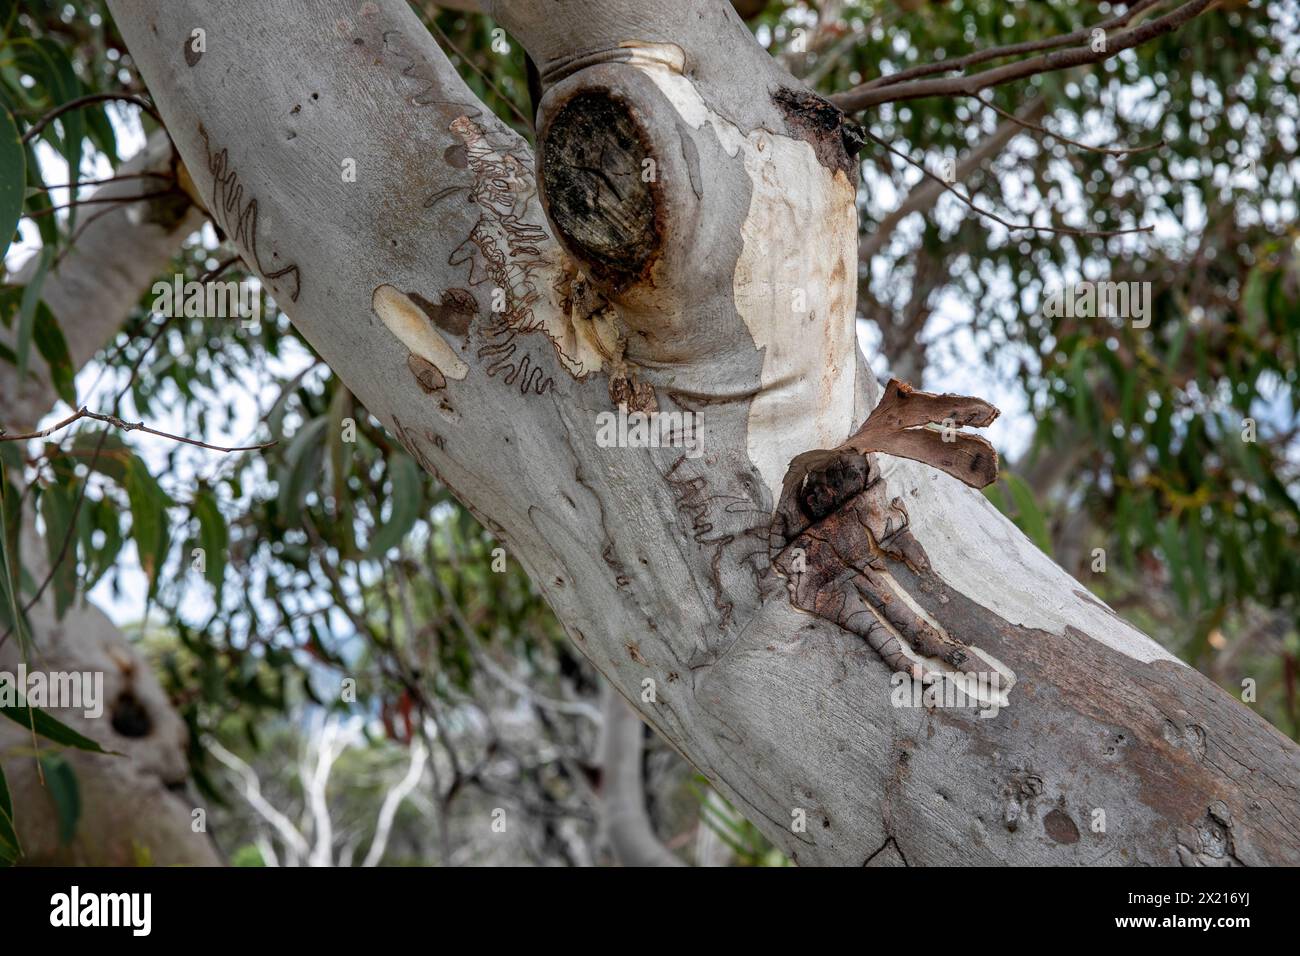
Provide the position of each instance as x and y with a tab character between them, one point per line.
624	818
688	244
131	807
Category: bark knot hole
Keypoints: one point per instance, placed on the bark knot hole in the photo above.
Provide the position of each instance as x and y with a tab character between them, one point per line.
601	185
129	716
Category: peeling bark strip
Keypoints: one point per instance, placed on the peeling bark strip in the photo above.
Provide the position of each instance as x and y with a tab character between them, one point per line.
600	184
836	530
898	426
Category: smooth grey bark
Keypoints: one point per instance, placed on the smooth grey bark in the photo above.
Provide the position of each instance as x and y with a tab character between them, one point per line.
131	802
679	295
624	818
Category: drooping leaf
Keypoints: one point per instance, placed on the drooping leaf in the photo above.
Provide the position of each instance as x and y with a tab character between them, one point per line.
149	505
13	180
47	62
301	464
214	538
61	784
54	349
27	310
1031	518
15	618
10	848
404	506
340	410
51	728
57	502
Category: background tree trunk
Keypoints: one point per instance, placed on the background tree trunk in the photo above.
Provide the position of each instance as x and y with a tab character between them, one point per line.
133	803
624	818
488	337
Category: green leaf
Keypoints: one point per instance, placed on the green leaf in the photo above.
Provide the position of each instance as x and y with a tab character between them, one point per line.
54	349
49	65
1172	546
10	848
100	129
214	539
1254	300
300	465
148	518
113	456
51	728
13	179
8	13
340	408
27	309
57	502
405	501
61	783
1032	522
10	521
101	515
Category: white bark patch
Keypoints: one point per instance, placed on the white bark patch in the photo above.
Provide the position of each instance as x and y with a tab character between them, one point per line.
796	297
413	328
971	545
665	63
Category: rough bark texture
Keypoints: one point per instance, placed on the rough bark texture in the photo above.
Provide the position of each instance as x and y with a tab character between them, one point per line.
133	804
658	563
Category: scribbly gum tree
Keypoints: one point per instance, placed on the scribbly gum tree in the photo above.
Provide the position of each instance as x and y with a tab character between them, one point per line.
684	241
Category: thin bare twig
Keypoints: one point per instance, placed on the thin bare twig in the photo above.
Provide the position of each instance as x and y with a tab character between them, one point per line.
104	182
860	98
926	194
442	35
220	269
1015	227
100	200
81	101
126	426
962	63
1065	139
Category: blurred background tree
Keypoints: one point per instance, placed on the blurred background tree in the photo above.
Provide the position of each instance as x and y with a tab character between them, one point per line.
366	677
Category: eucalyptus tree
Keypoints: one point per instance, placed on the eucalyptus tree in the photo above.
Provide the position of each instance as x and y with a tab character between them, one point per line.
682	246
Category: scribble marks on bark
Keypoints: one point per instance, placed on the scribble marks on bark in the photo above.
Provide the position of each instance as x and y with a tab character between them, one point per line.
237	216
504	253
